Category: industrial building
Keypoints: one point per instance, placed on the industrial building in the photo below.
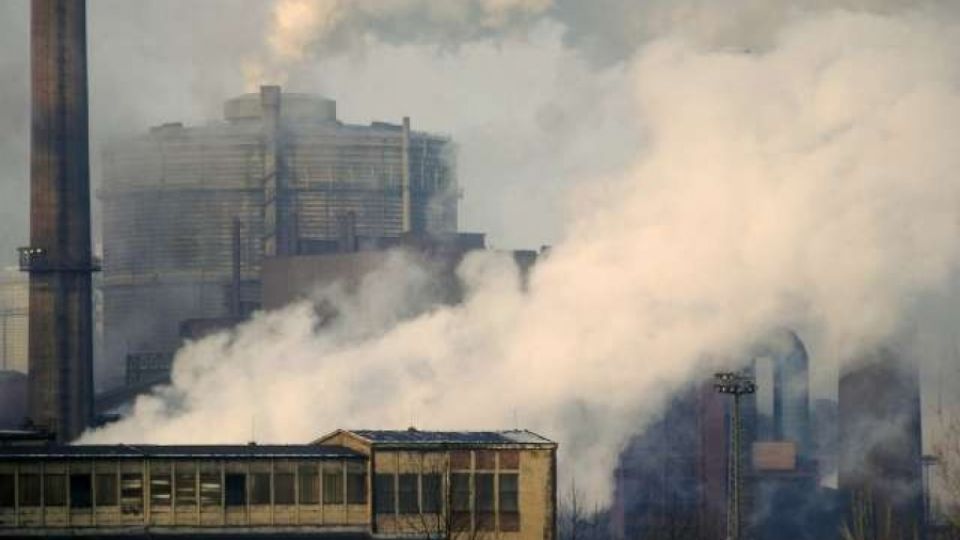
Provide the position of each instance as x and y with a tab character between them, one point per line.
674	477
880	459
190	213
290	279
349	484
671	479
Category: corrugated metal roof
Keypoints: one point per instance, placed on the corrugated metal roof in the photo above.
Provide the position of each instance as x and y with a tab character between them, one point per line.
249	451
417	437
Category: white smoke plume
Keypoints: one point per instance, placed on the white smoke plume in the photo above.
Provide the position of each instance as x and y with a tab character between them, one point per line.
811	184
300	27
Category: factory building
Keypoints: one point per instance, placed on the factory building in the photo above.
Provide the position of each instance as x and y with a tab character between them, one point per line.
349	484
880	459
673	478
190	213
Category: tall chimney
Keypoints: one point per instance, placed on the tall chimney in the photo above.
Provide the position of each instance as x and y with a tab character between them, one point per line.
59	257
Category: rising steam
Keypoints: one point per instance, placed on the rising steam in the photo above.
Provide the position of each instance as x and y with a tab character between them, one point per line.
811	184
300	27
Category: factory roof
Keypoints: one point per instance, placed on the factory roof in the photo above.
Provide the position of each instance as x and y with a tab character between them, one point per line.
416	437
140	451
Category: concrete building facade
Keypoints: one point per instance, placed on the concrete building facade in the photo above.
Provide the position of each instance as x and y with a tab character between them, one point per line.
190	213
353	484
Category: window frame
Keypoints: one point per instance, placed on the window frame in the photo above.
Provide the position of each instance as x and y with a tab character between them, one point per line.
55	487
8	490
408	493
385	494
284	488
80	486
106	489
309	477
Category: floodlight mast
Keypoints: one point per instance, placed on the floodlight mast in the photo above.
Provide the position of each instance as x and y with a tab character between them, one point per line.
735	384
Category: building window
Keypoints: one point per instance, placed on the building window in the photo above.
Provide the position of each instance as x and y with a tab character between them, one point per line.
284	490
486	460
460	460
55	490
131	493
260	488
509	493
432	493
460	487
8	491
509	502
159	490
106	484
309	485
510	460
186	489
29	490
484	485
211	490
333	484
236	489
356	483
81	491
384	493
484	504
409	503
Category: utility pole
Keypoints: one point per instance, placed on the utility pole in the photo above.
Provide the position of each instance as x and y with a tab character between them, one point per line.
735	384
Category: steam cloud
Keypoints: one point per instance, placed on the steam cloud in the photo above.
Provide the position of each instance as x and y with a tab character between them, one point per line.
300	26
810	183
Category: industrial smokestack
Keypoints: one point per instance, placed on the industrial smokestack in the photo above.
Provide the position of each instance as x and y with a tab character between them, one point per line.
59	257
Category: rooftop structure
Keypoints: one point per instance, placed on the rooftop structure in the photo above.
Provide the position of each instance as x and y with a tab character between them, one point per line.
359	484
414	437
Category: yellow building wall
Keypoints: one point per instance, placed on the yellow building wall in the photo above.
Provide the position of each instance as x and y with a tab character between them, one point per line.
536	487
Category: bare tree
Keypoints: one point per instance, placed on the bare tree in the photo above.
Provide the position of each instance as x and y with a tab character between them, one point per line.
575	522
870	519
947	454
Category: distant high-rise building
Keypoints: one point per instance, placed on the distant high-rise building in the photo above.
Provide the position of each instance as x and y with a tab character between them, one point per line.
880	466
674	475
670	480
781	357
825	439
190	213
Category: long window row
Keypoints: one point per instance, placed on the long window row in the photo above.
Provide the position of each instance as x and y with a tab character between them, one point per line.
482	495
187	488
